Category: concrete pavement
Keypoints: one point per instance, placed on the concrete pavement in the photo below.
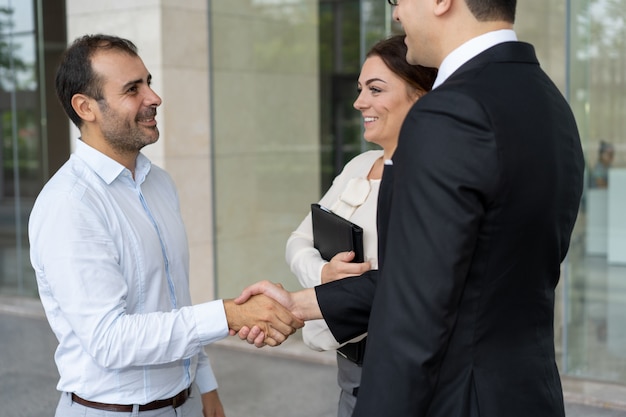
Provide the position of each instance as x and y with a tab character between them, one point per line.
289	381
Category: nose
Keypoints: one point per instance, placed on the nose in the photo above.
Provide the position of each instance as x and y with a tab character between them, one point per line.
359	103
394	15
152	98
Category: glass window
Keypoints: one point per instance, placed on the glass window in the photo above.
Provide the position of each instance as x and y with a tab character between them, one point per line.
339	69
19	143
347	30
596	292
265	134
23	131
22	16
276	150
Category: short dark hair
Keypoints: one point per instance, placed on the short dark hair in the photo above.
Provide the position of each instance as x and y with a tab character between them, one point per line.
490	10
75	74
393	53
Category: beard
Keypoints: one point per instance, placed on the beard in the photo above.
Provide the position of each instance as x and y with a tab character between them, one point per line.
125	135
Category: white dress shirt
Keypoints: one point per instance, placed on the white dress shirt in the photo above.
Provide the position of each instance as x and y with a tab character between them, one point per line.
469	50
306	262
112	263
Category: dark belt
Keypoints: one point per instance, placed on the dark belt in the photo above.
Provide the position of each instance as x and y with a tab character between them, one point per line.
354	352
176	401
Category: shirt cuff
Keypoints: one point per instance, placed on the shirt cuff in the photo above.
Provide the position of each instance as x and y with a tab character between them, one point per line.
210	321
205	378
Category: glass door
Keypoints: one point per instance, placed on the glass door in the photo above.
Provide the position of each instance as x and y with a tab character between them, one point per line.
19	140
28	54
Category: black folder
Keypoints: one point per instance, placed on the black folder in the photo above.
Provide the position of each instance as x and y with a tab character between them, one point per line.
333	234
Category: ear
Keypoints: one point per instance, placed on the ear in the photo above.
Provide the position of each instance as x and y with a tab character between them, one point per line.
84	106
443	6
416	94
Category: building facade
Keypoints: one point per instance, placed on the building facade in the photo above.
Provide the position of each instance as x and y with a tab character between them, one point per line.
257	119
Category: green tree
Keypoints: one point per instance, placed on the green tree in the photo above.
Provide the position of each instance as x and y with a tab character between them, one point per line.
9	62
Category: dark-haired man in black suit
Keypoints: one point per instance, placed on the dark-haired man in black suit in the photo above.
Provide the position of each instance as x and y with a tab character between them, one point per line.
476	211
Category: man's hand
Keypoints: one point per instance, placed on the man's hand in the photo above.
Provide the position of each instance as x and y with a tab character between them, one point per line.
302	304
274	321
275	291
211	405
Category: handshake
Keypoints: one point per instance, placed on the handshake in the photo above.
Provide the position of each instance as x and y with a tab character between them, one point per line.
267	314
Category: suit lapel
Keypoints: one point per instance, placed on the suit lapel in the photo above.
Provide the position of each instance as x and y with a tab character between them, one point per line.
384	206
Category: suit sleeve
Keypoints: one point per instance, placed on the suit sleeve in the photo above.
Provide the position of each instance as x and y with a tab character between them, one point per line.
445	170
346	304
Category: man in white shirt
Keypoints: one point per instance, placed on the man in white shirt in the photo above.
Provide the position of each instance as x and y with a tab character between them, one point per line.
110	253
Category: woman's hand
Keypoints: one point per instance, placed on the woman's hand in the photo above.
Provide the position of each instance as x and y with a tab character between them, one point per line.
341	267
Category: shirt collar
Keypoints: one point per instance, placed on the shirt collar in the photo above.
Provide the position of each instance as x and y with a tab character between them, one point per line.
142	168
108	169
469	50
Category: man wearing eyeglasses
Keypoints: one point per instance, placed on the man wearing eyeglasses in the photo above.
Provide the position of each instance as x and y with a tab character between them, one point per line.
476	211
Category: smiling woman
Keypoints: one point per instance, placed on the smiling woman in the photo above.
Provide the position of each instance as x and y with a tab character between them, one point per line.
384	101
388	86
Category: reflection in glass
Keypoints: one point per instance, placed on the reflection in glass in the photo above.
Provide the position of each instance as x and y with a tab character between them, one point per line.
596	296
347	30
19	145
22	16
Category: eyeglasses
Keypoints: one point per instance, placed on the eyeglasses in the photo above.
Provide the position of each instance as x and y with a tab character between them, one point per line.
393	2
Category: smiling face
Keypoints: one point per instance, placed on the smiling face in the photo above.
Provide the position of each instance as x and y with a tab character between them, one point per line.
384	101
126	113
417	20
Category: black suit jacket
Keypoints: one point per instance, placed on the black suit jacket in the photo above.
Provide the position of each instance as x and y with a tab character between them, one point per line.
475	218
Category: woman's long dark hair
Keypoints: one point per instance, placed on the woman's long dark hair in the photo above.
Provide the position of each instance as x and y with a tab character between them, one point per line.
393	53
